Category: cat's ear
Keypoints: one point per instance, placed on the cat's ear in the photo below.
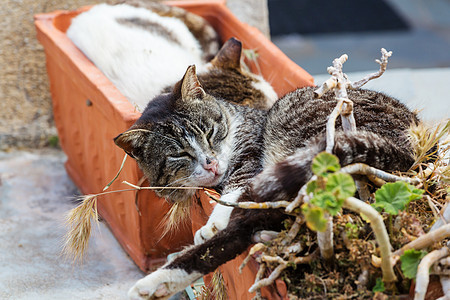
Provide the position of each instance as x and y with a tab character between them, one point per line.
229	56
190	85
131	140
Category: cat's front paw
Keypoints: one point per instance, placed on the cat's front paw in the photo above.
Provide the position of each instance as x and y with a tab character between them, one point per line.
219	218
218	221
205	233
146	290
162	284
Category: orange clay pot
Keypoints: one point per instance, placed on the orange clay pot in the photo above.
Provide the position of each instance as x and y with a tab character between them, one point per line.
89	112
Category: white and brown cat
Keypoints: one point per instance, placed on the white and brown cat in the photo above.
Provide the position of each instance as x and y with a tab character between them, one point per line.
144	47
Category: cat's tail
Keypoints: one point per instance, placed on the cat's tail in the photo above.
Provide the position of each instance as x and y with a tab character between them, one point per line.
283	180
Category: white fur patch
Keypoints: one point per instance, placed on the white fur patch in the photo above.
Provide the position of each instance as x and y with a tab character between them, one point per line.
266	89
139	63
219	219
162	284
228	145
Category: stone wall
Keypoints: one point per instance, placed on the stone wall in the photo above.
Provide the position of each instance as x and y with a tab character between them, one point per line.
25	106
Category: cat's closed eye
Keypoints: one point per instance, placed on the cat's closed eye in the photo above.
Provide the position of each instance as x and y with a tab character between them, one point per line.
184	155
210	134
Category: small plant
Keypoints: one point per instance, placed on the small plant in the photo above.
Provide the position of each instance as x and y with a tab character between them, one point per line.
329	191
410	261
53	141
394	197
379	286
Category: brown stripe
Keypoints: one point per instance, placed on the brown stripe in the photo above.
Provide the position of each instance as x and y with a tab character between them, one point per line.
152	27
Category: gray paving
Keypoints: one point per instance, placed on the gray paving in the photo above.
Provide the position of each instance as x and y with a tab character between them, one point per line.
35	194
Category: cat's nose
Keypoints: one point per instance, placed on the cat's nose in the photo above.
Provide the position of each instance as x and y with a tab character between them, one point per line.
211	165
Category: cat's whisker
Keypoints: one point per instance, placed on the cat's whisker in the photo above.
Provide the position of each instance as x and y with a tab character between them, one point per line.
178	180
161	187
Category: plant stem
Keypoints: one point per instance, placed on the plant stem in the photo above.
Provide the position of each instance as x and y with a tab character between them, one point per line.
325	240
381	235
423	271
426	240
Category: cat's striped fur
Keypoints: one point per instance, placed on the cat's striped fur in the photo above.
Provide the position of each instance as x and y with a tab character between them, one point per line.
265	156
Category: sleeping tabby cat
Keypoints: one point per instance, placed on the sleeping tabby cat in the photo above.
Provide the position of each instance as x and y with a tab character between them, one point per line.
143	47
191	138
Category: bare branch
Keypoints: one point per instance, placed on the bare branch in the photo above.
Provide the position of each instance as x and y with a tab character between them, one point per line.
301	197
363	169
269	280
423	275
331	126
383	64
299	220
259	276
306	259
273	259
253	250
426	240
249	204
325	87
444	215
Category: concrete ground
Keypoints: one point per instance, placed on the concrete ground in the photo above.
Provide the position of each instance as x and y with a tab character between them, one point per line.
36	193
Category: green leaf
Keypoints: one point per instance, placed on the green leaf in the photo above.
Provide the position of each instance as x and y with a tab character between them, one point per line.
352	230
315	218
410	261
311	187
328	202
324	163
341	185
393	197
379	286
251	54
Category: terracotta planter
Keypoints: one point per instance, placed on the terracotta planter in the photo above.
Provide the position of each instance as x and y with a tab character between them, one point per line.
89	112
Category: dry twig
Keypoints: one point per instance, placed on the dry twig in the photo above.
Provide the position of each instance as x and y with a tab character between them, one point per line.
383	64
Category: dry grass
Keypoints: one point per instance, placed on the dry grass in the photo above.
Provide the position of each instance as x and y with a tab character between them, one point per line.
428	142
79	221
178	214
216	289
